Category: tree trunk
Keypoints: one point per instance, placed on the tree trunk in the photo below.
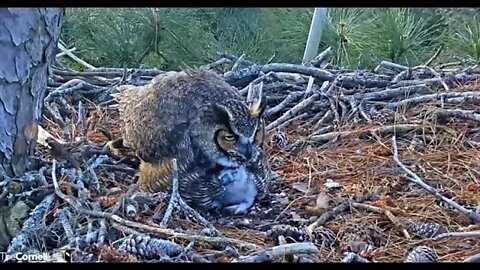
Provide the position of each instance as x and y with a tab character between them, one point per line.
28	37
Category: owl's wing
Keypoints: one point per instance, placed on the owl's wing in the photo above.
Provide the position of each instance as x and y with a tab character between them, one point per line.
173	145
146	124
128	98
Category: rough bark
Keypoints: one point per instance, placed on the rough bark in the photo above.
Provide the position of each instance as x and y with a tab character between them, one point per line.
28	38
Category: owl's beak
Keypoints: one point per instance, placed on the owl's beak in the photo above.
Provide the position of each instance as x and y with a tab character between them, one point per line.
246	149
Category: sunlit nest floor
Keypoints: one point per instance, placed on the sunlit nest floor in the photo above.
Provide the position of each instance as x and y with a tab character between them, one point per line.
359	165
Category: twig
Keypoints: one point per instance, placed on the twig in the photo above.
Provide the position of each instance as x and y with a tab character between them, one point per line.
56	186
351	257
271	59
297	119
288	100
322	57
293	111
234	58
475	217
309	89
458	113
322	131
382	131
335	211
167	232
149	228
472	259
216	64
434	56
389	94
391	66
426	98
102	232
4	193
457	234
322	75
124	229
328	215
386	212
64	220
270	254
237	64
58	55
122	200
193	212
174	196
71	55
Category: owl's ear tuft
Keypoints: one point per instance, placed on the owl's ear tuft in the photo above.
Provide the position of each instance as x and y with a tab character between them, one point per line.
222	113
255	100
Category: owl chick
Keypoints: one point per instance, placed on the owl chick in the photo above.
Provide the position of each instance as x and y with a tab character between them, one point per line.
203	122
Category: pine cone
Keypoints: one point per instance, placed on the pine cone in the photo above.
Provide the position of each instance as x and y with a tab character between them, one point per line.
110	254
422	254
384	116
287	231
357	239
150	248
324	236
279	139
424	229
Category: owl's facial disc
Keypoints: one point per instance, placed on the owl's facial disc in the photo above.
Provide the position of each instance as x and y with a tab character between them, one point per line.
239	135
234	145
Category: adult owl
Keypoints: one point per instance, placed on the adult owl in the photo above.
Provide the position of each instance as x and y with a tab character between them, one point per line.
214	133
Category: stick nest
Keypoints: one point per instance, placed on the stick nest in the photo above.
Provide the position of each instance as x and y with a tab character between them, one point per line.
329	140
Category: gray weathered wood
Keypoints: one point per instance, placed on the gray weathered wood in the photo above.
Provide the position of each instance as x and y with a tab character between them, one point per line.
315	34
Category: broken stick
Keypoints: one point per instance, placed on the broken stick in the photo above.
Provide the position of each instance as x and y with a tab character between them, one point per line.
475	217
270	254
386	212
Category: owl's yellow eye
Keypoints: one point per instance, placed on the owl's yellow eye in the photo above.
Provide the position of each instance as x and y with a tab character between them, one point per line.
229	137
226	140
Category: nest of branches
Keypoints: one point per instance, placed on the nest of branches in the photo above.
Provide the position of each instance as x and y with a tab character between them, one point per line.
374	166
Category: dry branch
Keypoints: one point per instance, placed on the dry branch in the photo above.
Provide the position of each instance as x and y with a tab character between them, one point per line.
174	197
147	228
458	113
473	259
74	57
475	217
304	104
381	131
335	211
386	212
426	98
271	254
442	236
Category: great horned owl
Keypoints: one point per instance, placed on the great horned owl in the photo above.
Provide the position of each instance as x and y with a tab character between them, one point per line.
202	121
